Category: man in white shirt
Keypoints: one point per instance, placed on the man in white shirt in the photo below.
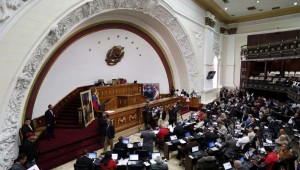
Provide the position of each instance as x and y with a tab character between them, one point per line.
243	141
251	133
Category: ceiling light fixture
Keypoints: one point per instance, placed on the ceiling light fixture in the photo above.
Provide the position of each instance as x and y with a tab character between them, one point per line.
225	8
295	3
257	1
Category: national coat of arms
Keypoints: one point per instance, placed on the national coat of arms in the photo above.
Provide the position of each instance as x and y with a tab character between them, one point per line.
114	55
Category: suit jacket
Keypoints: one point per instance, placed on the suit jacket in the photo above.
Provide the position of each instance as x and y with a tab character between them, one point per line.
17	166
50	118
30	149
110	131
159	166
25	129
84	160
121	145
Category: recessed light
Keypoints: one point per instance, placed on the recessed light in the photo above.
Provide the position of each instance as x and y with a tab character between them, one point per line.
295	3
257	1
225	8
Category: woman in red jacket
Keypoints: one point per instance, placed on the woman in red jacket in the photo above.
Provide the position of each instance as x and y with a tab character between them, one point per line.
107	163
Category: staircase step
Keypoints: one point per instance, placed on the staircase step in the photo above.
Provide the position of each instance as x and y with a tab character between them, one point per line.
66	126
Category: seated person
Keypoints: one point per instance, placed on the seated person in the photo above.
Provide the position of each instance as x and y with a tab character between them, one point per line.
85	160
229	147
270	158
159	165
251	134
222	130
19	163
207	162
183	150
26	128
241	142
252	124
238	165
280	141
162	133
107	162
120	144
179	130
285	153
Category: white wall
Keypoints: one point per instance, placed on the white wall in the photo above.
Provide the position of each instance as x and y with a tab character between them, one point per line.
84	62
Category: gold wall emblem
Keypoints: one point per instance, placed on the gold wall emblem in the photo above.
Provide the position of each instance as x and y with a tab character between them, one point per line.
114	55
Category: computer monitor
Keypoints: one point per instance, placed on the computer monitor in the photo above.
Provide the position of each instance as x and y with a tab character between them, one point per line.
133	157
187	134
114	156
195	149
227	165
211	144
173	137
93	155
125	140
155	155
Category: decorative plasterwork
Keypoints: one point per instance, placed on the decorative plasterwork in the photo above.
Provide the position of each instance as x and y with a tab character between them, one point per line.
9	131
216	44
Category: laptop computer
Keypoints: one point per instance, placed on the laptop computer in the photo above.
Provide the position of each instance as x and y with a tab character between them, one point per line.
174	139
125	140
196	152
133	159
93	155
248	154
212	146
227	165
187	134
154	156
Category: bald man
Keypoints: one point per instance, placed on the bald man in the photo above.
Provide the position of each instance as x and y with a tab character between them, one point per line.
238	165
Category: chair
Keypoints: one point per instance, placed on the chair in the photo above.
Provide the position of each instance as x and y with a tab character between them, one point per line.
143	154
80	167
121	152
135	167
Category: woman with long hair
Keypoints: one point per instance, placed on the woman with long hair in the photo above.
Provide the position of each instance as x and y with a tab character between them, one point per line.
107	163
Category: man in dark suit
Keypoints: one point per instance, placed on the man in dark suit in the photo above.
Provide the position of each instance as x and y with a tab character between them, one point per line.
229	148
27	127
120	144
50	121
103	126
85	160
30	149
109	136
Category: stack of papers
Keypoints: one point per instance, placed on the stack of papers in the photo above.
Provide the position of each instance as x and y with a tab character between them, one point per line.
182	141
123	162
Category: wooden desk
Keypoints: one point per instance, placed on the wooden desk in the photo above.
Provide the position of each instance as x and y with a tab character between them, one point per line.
130	116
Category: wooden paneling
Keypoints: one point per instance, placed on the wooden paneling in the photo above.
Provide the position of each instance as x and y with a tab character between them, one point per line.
130	116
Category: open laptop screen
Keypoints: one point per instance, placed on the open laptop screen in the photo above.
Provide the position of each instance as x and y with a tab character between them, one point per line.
155	155
133	157
242	159
227	165
195	149
187	134
93	155
34	167
173	137
211	144
125	140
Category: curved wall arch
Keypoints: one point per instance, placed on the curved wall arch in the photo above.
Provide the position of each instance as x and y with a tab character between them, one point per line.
30	68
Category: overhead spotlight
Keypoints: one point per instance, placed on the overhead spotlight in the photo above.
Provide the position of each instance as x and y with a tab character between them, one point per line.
225	8
257	1
295	3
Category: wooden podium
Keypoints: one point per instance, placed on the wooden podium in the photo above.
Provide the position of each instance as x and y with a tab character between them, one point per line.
130	116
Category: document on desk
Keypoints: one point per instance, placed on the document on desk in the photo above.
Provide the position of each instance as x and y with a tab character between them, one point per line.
269	141
129	145
123	162
152	161
168	143
182	141
146	164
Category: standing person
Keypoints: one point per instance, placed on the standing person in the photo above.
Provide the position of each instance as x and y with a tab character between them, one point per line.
147	114
109	136
19	163
148	138
50	121
30	149
103	126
